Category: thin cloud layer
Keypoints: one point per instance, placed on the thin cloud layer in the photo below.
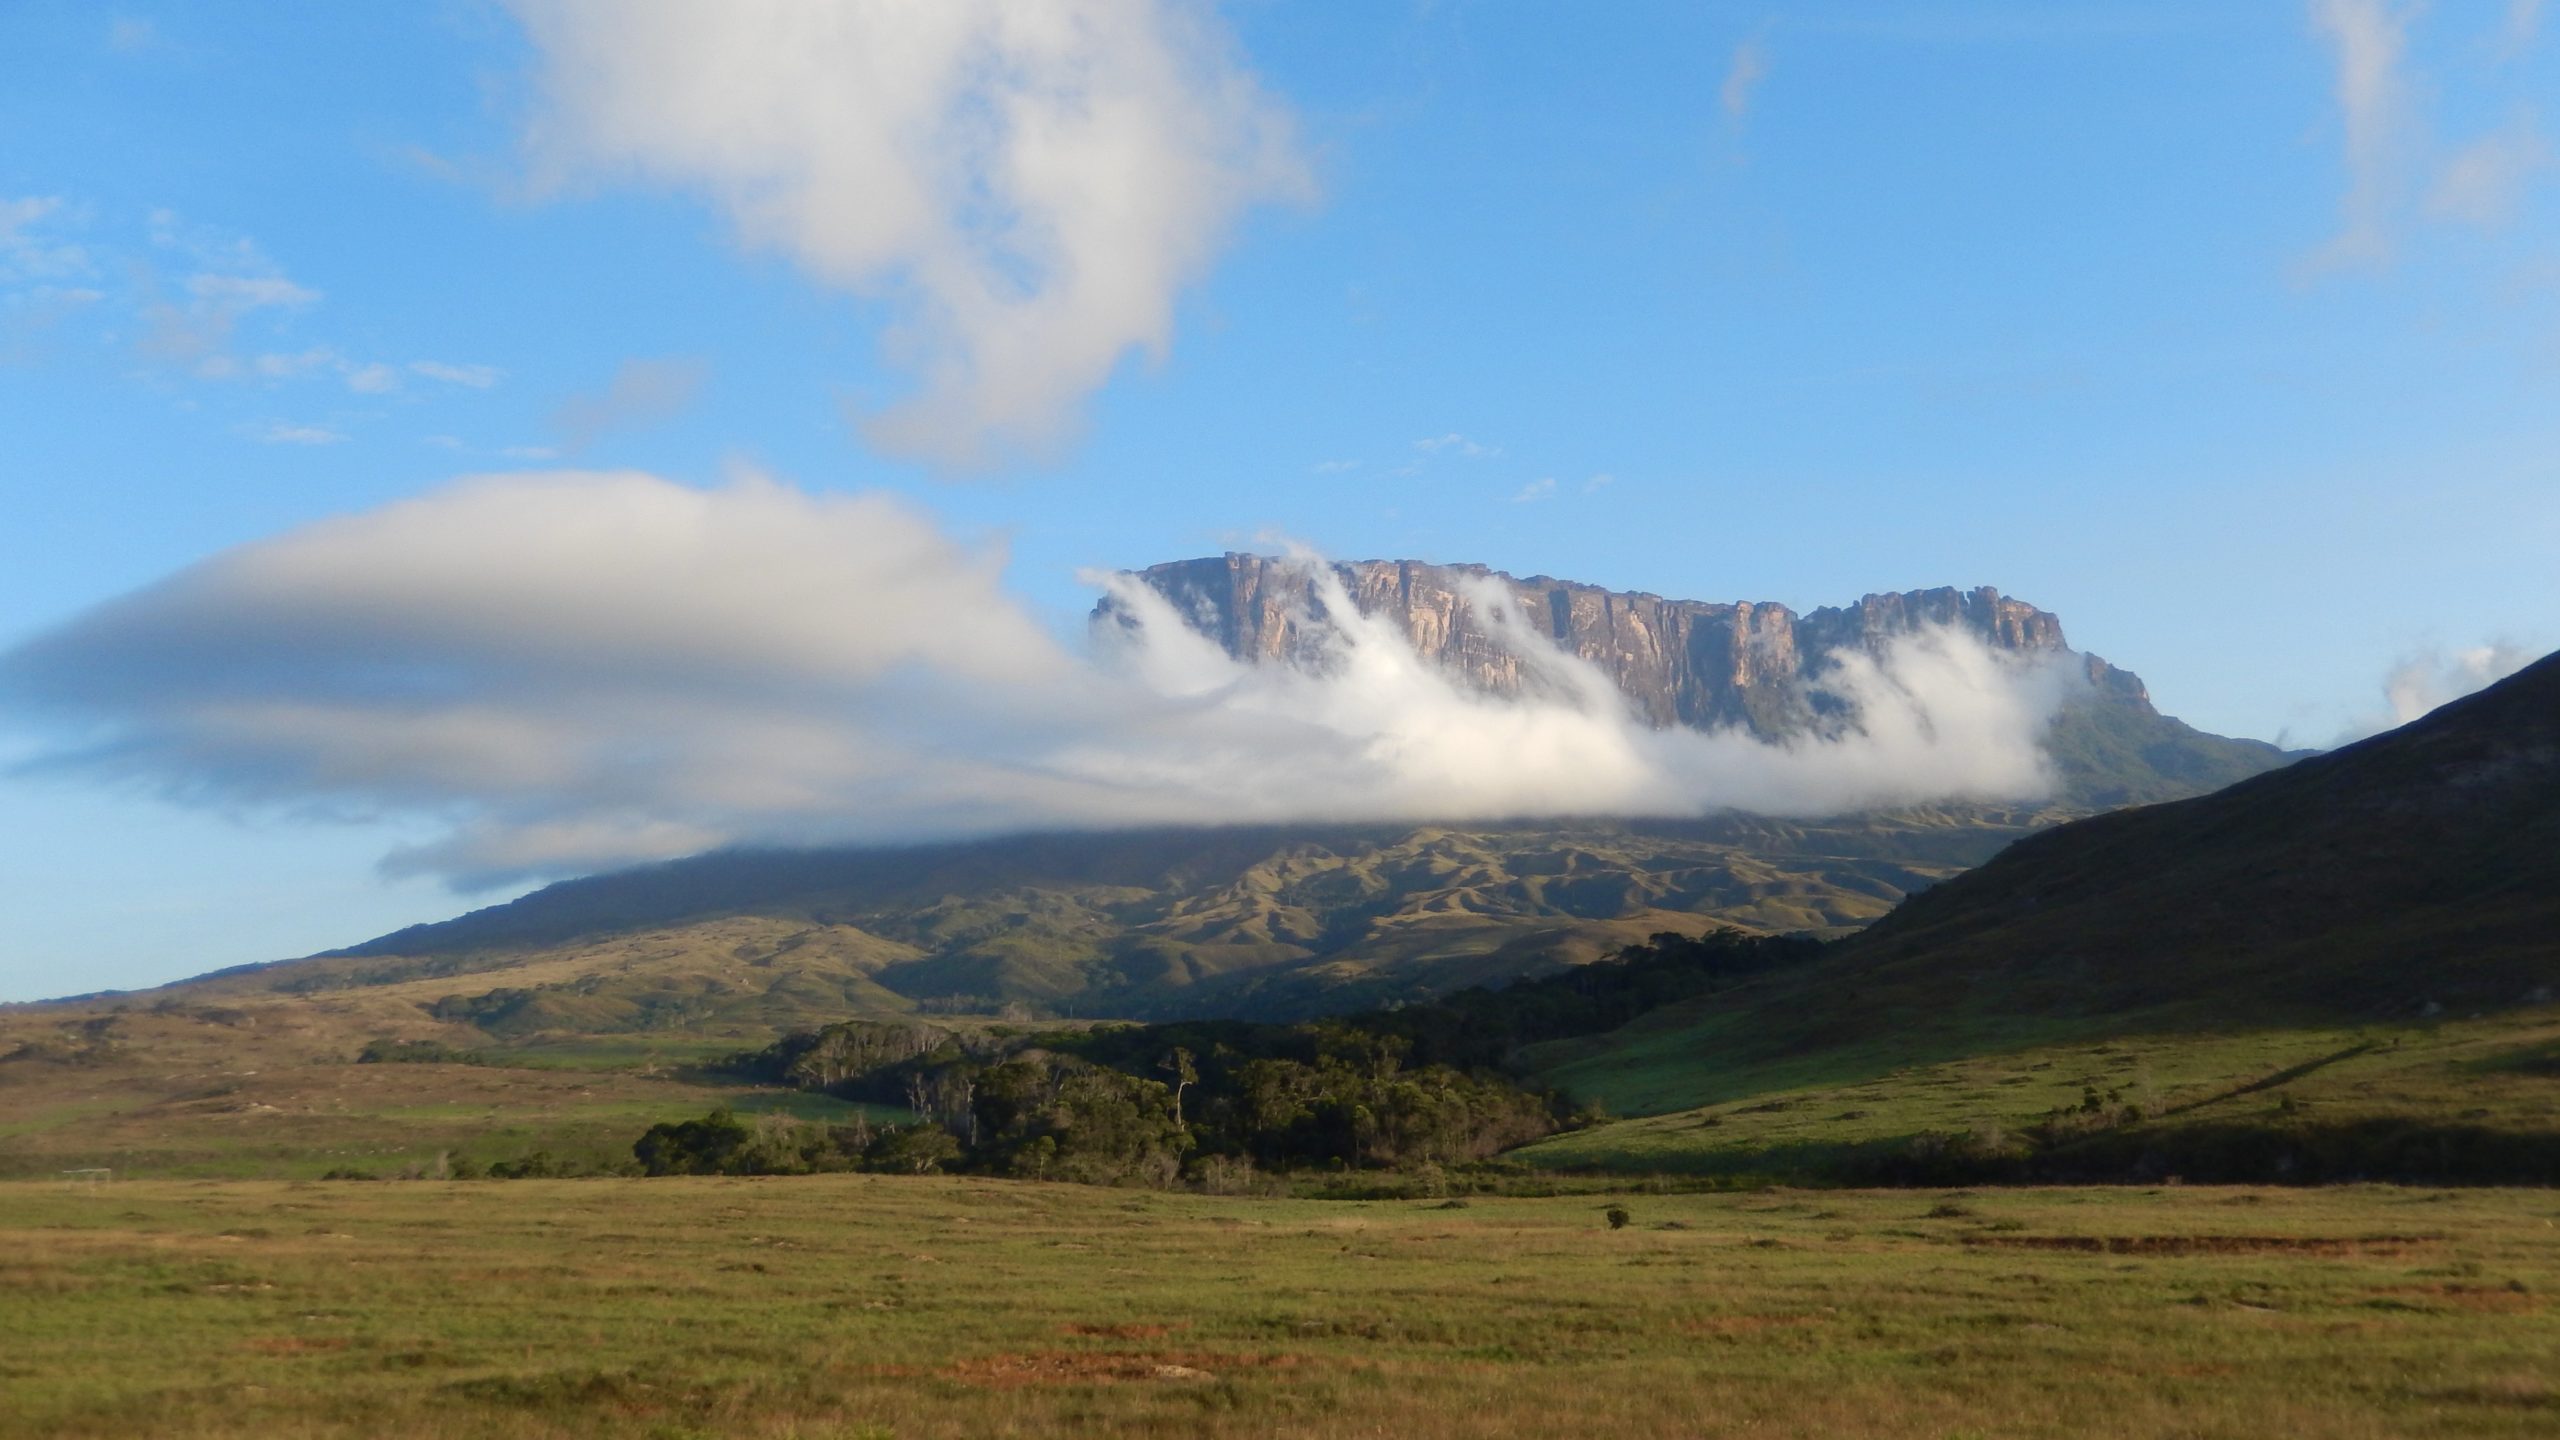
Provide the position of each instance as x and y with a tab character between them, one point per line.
2369	38
573	671
641	393
2524	18
2396	171
1029	186
2484	181
1742	77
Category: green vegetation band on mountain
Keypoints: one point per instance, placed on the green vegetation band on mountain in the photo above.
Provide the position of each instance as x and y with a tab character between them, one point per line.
1213	1102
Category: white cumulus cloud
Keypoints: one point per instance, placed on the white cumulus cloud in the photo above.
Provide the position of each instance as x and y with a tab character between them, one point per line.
1029	186
2426	678
2421	682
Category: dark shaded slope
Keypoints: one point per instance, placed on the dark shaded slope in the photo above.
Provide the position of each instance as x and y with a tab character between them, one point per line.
2411	875
2419	867
2341	970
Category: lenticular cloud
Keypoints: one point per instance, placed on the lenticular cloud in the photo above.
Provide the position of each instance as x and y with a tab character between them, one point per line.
573	671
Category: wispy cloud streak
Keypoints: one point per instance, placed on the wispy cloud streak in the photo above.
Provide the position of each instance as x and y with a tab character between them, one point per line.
2369	39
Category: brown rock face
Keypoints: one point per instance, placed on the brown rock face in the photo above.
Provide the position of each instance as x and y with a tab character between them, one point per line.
1683	662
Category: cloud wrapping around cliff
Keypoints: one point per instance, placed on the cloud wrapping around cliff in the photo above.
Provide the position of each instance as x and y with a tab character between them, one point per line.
575	671
1028	187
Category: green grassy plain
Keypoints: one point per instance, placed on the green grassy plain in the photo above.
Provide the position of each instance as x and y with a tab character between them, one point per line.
286	1121
268	1090
1699	1112
842	1306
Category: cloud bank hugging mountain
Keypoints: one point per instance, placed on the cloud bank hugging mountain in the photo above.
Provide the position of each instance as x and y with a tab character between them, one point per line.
570	671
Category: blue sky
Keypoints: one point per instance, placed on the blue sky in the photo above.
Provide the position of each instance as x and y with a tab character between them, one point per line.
2229	332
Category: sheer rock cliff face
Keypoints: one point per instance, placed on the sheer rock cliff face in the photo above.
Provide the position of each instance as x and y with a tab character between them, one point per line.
1682	662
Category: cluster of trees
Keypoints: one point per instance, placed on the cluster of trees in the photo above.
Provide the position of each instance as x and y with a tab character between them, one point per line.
1205	1101
840	1055
726	1143
1343	1100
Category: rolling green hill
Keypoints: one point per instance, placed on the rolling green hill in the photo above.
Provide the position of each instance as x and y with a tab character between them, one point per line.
2370	938
1272	923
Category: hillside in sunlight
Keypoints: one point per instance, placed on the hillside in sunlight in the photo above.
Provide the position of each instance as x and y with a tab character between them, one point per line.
1258	922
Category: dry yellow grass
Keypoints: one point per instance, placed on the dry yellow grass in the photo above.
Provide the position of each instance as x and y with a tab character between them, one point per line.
871	1306
265	1089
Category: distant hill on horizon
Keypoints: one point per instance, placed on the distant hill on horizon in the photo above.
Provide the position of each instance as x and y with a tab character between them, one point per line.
1269	921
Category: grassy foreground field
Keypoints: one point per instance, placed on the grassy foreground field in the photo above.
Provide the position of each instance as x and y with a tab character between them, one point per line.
1703	1111
856	1305
268	1092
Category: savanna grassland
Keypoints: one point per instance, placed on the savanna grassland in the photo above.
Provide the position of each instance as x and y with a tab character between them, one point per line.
860	1305
2493	1078
271	1091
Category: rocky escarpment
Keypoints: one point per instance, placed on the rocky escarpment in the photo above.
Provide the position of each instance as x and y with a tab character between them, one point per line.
1706	664
1682	662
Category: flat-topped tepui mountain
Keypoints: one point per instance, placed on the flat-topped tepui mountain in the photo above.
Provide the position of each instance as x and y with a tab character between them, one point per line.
1703	664
1279	920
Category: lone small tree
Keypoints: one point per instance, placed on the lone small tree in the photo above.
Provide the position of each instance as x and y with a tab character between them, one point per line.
1185	1074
